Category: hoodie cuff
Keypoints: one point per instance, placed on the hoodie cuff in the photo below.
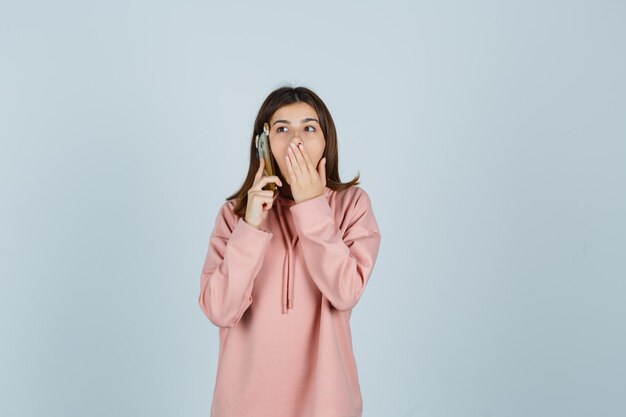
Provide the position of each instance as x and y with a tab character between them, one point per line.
308	214
247	231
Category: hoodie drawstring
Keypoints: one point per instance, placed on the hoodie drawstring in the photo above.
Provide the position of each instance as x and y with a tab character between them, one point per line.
287	295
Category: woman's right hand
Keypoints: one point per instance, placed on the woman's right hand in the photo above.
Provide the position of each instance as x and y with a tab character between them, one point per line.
260	201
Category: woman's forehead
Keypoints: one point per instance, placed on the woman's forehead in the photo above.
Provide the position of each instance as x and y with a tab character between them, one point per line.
295	112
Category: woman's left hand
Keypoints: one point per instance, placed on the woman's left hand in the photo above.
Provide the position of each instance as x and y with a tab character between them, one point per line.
306	181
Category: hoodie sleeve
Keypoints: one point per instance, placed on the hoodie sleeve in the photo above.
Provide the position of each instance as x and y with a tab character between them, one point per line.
233	260
339	264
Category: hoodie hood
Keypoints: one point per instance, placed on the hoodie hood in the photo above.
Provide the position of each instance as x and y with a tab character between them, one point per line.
290	238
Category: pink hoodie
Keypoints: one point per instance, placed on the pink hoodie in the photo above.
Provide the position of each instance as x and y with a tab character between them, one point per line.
282	296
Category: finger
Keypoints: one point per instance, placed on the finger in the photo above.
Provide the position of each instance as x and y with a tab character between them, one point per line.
267	179
307	160
298	155
294	162
304	168
259	172
290	170
262	196
275	179
264	180
269	200
266	203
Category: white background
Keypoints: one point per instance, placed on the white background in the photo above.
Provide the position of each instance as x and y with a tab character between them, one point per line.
489	135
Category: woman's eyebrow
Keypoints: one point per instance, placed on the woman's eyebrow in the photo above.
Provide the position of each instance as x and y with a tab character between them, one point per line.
308	119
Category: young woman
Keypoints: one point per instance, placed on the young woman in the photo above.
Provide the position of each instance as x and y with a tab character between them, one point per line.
284	271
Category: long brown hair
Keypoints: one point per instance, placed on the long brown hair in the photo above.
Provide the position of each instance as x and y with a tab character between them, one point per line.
278	98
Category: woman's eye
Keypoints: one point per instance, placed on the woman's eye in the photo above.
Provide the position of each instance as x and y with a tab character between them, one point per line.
284	129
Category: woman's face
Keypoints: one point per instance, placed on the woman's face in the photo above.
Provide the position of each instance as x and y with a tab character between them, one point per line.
296	123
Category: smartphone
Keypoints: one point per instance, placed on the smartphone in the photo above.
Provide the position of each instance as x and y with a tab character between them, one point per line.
264	151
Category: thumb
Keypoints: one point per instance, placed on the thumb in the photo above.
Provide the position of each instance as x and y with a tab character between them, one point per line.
321	170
